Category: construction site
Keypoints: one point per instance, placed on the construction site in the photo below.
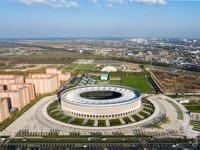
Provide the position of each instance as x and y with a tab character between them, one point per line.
173	83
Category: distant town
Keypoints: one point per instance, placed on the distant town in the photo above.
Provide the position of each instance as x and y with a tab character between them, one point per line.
180	53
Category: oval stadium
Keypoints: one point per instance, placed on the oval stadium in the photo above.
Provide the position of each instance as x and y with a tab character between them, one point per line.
100	102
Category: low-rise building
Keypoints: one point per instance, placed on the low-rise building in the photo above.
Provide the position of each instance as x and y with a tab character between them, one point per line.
104	77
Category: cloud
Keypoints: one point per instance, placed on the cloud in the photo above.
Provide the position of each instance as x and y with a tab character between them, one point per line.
75	3
160	2
52	3
93	1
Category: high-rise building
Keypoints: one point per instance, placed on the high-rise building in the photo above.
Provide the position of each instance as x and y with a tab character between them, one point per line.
43	83
49	82
10	79
29	87
4	109
20	94
61	76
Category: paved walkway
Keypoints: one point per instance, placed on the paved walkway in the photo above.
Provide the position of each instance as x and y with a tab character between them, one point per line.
34	121
182	125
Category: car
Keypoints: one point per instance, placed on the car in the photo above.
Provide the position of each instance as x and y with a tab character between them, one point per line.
2	140
85	146
91	138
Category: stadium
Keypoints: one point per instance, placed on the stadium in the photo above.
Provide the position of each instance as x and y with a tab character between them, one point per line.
101	102
99	107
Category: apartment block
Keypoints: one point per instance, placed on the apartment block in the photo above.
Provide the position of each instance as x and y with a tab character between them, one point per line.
10	79
61	77
4	109
49	82
44	83
28	86
19	94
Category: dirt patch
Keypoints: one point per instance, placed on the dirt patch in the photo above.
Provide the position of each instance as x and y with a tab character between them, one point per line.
178	83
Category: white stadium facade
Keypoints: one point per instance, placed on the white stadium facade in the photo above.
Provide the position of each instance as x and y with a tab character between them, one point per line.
101	102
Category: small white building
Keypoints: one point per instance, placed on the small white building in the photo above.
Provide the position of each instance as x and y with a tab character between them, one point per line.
109	69
104	77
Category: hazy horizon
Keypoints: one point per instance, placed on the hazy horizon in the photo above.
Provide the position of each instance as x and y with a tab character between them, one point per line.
24	19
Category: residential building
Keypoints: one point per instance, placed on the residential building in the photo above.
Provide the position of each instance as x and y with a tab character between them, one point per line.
4	109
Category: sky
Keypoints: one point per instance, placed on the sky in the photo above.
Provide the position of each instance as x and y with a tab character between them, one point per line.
99	18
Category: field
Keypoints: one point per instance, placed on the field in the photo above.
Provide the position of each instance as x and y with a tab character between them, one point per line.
46	57
81	68
70	67
137	81
133	80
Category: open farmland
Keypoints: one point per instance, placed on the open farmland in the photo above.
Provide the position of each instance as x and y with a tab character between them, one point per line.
46	57
81	68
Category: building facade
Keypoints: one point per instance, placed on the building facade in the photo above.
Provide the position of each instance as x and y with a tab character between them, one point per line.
20	94
4	109
43	83
49	82
11	79
61	76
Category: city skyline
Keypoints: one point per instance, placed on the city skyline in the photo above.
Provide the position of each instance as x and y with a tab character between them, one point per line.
95	18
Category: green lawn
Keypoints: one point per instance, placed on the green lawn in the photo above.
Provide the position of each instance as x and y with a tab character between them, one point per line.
193	107
101	123
135	81
53	111
77	121
90	123
196	125
70	67
127	120
144	114
115	122
136	118
87	68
